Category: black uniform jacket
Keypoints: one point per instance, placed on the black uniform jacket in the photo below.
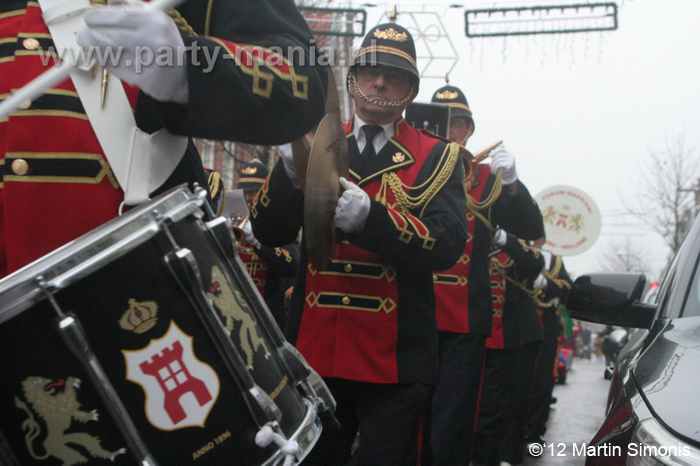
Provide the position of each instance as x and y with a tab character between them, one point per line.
517	214
521	324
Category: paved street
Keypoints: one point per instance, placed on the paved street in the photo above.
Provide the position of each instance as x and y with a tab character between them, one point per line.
576	416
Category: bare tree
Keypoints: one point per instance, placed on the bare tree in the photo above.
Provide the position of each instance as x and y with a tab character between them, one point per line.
668	186
625	256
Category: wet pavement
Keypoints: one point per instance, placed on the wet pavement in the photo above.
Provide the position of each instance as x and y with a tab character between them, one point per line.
577	415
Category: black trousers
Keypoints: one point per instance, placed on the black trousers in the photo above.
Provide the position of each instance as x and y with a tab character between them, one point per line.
386	416
449	423
517	408
538	406
490	427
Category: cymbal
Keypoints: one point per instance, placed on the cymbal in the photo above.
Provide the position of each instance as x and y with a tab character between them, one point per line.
328	161
301	148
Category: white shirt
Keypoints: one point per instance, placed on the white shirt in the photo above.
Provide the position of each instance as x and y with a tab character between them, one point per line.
379	140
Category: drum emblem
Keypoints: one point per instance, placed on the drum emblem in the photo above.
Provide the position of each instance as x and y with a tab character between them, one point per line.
233	308
180	389
56	402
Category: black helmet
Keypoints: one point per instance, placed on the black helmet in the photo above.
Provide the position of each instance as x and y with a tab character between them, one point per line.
252	175
390	45
455	98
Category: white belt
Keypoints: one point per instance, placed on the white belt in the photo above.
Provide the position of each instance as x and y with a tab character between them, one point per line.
141	162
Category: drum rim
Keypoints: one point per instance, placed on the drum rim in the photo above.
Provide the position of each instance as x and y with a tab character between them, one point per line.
310	423
95	249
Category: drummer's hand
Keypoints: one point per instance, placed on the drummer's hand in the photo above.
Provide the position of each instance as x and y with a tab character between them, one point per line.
248	232
352	209
287	157
504	161
142	37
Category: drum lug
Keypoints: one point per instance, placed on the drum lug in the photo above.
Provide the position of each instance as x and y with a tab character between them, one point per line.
73	335
266	403
183	267
221	230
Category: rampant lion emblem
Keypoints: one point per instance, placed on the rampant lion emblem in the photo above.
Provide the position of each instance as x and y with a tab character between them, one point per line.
234	308
56	402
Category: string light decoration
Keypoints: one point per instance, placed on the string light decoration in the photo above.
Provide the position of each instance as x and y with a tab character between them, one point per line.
552	19
436	54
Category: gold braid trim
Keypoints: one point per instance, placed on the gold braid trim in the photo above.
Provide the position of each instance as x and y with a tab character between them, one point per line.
544	304
181	23
493	195
474	206
431	186
531	293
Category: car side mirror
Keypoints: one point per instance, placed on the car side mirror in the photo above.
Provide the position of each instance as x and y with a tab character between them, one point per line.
611	298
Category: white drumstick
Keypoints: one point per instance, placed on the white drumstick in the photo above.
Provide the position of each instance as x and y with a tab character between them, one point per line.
58	73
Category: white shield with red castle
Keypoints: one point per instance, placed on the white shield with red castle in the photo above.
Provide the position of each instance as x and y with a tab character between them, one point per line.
180	389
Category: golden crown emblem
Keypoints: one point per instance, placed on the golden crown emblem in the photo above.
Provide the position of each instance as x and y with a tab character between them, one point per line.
446	95
249	171
391	34
141	316
398	157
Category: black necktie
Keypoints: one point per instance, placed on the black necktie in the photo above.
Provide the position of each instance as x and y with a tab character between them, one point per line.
370	132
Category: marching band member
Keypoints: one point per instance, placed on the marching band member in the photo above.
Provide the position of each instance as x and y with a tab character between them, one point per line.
495	197
55	168
509	368
272	268
556	285
367	323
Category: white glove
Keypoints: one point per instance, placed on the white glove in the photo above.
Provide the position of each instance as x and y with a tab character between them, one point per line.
504	161
248	232
144	39
287	157
352	209
500	238
540	282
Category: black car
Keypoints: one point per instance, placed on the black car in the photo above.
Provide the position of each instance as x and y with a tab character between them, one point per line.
653	409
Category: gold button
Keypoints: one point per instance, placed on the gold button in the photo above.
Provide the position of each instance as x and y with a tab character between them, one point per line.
20	167
434	276
346	300
25	105
30	43
348	268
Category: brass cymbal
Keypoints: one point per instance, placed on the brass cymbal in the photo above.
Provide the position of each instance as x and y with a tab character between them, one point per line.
328	161
301	148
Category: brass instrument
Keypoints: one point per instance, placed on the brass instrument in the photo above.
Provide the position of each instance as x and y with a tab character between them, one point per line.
473	160
237	223
485	152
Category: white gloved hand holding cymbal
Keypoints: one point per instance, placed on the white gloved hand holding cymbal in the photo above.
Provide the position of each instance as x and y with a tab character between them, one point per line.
353	207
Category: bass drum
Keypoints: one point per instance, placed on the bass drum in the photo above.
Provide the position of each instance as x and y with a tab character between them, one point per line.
144	341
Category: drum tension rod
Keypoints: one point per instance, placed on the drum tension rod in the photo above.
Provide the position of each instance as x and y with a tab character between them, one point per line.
73	335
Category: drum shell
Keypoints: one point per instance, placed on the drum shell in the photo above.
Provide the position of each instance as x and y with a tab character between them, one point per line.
32	348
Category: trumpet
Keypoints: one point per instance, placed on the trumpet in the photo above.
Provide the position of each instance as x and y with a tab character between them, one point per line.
237	223
485	152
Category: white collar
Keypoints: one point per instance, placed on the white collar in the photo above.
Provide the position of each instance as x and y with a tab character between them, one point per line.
378	141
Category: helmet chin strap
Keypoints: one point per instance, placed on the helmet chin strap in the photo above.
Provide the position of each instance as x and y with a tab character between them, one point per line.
352	83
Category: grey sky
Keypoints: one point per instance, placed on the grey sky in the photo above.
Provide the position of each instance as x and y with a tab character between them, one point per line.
580	109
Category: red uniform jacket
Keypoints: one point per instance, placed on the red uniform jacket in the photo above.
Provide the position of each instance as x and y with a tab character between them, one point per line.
462	293
370	316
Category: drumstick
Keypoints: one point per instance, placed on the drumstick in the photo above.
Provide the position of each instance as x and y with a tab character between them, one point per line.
60	72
